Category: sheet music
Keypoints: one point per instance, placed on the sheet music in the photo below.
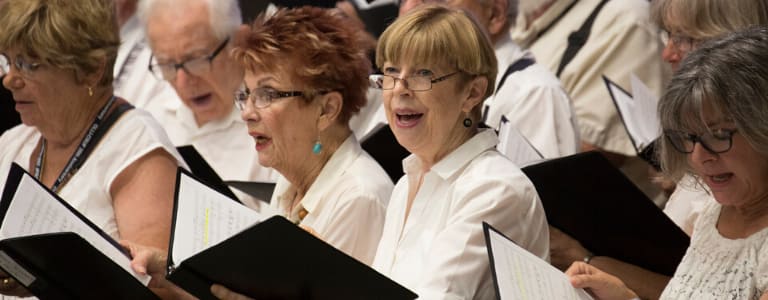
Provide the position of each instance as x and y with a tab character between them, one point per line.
638	112
204	218
522	275
33	210
515	146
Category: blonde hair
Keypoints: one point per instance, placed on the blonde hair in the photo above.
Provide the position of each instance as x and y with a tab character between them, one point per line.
706	19
78	35
435	34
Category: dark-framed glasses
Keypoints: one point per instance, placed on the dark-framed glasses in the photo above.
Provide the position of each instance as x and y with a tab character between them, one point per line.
196	66
682	42
25	68
414	83
715	141
262	97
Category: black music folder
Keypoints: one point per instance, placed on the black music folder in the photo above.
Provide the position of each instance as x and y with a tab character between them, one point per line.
382	145
264	257
589	199
202	170
259	190
57	253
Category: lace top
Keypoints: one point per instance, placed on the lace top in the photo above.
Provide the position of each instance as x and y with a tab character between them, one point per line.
715	267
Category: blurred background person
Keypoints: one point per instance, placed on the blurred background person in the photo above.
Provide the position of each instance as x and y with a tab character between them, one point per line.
57	59
712	116
618	40
191	41
527	94
438	66
133	80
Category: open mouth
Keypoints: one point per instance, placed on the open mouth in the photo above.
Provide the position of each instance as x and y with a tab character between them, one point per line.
408	119
202	100
720	178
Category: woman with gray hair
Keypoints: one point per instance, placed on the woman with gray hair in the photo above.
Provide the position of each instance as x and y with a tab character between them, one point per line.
713	119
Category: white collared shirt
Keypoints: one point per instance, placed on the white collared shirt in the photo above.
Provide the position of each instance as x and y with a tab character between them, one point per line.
346	202
439	252
534	101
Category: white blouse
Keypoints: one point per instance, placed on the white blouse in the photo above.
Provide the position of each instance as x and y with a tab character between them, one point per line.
439	251
345	205
715	267
134	135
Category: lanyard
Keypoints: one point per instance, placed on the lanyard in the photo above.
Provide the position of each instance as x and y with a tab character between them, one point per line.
78	157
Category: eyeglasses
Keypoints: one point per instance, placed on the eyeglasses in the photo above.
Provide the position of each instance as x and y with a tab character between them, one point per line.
716	141
682	42
27	69
262	97
196	66
413	83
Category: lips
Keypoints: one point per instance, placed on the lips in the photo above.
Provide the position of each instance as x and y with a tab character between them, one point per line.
721	178
407	118
202	100
262	141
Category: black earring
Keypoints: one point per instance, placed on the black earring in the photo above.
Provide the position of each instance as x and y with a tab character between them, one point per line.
467	122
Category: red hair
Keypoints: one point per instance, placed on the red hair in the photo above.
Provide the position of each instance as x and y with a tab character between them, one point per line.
320	48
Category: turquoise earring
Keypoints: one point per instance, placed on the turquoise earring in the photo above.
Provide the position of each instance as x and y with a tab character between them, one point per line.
317	147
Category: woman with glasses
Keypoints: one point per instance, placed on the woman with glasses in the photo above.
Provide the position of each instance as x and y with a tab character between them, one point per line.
112	163
438	66
686	24
305	76
713	116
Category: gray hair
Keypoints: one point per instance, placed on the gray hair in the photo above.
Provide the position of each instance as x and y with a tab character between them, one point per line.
224	14
729	75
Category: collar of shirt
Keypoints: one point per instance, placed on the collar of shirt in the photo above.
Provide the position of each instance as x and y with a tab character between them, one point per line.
507	53
187	119
345	155
456	160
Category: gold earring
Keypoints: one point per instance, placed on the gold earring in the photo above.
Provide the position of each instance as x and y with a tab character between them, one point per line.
90	91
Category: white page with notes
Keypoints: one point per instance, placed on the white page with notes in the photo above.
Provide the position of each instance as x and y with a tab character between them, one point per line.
522	275
205	217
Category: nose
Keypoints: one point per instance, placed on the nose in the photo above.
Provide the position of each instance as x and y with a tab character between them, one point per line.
250	114
671	54
183	79
701	154
12	80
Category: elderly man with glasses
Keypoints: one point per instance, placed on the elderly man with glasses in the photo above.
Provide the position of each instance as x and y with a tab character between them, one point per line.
191	42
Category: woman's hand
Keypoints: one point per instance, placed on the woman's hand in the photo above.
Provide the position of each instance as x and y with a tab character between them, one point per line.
10	287
564	250
599	284
224	293
152	261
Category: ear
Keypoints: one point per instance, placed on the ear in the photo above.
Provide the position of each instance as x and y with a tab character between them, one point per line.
476	93
92	79
497	24
330	109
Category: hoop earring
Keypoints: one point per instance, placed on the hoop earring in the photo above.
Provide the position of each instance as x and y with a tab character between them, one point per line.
467	122
90	91
317	148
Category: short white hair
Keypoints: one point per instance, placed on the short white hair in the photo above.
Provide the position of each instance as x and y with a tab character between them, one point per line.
225	16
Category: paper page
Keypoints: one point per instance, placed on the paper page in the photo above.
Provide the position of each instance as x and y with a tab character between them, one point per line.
646	102
522	275
515	146
638	113
34	210
204	218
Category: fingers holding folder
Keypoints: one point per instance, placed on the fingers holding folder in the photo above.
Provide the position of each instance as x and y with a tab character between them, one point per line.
152	261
